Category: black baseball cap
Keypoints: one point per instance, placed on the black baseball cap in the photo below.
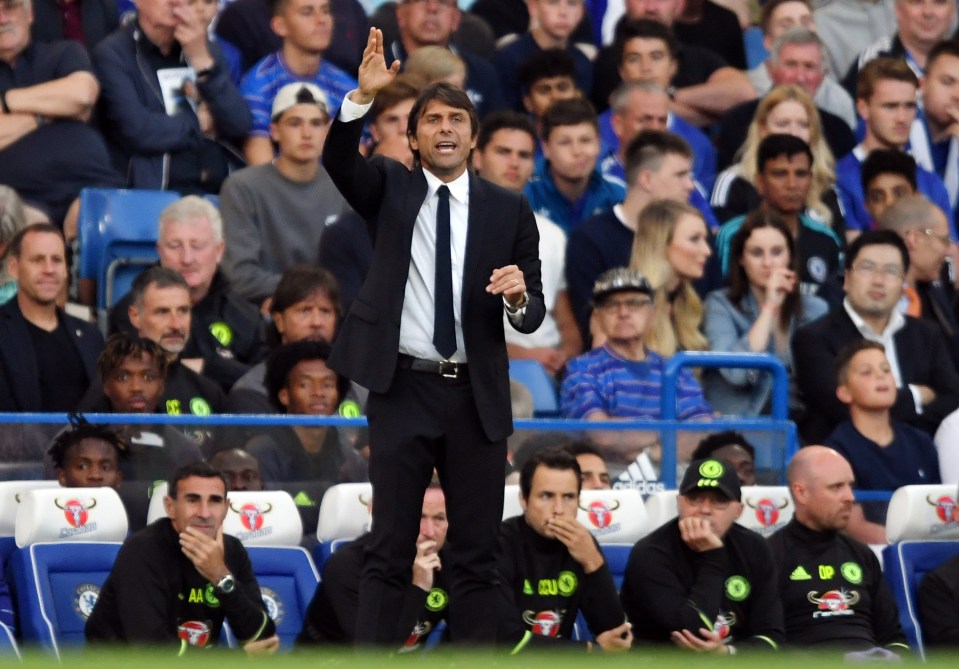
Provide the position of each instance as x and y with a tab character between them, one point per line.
712	474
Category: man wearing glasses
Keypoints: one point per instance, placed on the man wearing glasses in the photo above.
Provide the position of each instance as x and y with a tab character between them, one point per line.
623	379
927	383
701	581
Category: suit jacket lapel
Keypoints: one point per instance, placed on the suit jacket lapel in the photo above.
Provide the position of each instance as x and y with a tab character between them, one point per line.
477	228
21	358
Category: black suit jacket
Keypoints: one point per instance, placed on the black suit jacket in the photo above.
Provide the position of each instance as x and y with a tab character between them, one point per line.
923	360
20	385
501	231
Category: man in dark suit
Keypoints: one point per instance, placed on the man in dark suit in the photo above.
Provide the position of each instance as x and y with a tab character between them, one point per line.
425	335
927	382
47	358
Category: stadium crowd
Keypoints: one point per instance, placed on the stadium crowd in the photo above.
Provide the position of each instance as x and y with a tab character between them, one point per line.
796	198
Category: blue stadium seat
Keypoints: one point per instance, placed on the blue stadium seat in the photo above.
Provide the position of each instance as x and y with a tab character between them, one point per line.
8	644
755	49
905	565
539	383
117	232
56	586
287	581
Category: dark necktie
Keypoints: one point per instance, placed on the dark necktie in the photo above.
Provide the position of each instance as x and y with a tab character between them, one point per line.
444	330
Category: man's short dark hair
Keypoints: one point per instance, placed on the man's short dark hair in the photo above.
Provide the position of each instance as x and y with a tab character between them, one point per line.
16	244
123	345
284	358
79	430
551	458
199	468
779	145
648	149
643	29
546	64
888	161
583	447
504	120
769	8
947	47
845	355
447	94
568	112
714	442
877	238
160	277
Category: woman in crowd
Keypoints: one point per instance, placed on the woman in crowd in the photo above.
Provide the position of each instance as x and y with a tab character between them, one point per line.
788	110
671	248
756	314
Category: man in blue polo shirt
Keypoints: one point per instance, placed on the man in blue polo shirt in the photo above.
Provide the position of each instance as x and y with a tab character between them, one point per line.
306	27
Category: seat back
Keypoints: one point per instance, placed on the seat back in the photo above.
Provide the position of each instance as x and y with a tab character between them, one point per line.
613	516
511	503
539	383
660	508
345	513
905	564
156	510
923	512
767	508
287	579
70	514
117	233
10	495
263	518
56	586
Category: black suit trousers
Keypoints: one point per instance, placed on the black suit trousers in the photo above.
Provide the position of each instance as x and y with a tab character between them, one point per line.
425	421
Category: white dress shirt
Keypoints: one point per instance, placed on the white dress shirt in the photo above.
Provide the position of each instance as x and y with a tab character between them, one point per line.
416	324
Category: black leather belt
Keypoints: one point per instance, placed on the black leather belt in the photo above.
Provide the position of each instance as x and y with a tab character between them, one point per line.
444	368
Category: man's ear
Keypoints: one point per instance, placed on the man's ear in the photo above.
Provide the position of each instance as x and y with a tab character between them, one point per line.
842	392
134	315
284	397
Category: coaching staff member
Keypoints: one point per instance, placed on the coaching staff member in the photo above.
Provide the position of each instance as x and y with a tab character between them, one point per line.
425	335
178	579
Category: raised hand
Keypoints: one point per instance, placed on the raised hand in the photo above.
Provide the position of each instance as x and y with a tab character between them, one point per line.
373	74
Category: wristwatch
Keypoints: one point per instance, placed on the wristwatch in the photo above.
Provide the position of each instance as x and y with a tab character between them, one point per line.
226	585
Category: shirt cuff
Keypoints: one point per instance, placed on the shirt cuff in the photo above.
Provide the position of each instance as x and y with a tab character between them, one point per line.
350	111
515	317
916	399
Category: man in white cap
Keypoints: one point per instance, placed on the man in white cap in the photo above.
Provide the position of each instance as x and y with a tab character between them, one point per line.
274	214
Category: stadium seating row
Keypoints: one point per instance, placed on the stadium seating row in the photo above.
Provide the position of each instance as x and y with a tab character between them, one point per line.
66	539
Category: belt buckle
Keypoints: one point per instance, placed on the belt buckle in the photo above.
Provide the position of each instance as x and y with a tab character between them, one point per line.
448	370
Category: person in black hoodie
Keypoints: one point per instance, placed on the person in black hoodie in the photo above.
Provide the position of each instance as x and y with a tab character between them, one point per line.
331	616
702	581
549	567
176	581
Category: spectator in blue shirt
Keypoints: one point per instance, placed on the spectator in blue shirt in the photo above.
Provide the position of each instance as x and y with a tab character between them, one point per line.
623	378
552	25
886	101
568	187
306	27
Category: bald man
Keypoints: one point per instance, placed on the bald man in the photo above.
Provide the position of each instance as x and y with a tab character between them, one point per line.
833	592
925	230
